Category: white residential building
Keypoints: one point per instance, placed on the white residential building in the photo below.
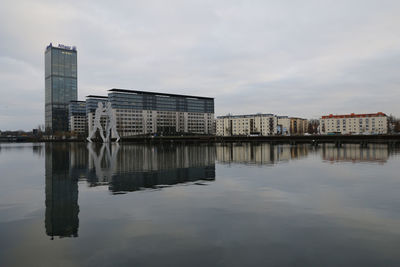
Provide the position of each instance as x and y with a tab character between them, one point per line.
375	123
252	124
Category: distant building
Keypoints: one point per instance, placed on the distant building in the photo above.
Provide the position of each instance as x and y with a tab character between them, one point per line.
283	127
374	123
77	117
298	126
251	124
60	86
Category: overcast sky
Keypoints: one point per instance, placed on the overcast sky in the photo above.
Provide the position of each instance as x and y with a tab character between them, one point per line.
299	58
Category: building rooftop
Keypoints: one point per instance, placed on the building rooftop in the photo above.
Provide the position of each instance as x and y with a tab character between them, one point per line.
155	93
96	96
246	115
352	115
61	46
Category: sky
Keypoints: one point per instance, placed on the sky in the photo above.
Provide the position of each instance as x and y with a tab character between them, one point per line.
298	58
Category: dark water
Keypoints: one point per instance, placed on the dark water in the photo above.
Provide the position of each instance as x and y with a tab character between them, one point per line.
199	205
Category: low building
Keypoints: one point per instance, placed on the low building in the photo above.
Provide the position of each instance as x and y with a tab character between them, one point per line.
251	124
77	117
374	123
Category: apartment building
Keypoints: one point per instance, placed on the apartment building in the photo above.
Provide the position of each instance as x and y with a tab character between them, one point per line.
374	123
283	127
298	126
251	124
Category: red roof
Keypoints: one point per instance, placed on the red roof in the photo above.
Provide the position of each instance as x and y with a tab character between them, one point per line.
352	115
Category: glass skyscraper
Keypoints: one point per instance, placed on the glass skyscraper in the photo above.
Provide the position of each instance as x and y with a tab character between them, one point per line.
60	86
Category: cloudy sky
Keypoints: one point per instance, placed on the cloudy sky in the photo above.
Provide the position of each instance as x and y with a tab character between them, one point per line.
298	58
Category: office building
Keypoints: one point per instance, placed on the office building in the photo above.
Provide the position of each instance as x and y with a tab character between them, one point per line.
60	86
374	123
77	117
141	112
252	124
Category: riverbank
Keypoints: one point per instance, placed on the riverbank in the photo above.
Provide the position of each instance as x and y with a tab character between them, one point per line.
297	139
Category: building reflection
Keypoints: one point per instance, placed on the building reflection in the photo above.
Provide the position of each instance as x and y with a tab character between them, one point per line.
124	168
378	153
259	154
62	209
134	167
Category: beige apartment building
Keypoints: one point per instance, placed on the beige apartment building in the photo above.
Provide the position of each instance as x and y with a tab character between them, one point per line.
283	125
374	123
298	126
252	124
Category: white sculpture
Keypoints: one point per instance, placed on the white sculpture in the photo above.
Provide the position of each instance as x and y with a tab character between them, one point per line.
111	126
97	123
111	123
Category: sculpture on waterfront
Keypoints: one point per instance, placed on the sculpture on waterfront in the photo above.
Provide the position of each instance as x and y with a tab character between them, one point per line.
111	123
97	123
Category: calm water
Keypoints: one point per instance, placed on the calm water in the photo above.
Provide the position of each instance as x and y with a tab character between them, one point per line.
199	205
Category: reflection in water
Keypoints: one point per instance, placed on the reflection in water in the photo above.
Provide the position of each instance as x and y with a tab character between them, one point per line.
123	169
262	154
136	167
131	167
62	208
354	153
266	154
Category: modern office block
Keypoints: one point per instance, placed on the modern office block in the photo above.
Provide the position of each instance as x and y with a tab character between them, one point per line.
60	86
374	123
141	112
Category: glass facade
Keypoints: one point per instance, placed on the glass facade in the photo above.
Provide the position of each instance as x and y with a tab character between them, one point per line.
77	108
60	86
127	99
91	102
142	112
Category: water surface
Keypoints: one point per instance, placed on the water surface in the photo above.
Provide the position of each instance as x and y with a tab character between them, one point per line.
72	204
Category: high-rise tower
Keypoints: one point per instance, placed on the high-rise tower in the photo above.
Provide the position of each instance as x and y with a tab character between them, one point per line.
60	86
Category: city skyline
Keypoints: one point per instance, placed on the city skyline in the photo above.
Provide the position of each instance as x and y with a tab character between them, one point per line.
303	59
